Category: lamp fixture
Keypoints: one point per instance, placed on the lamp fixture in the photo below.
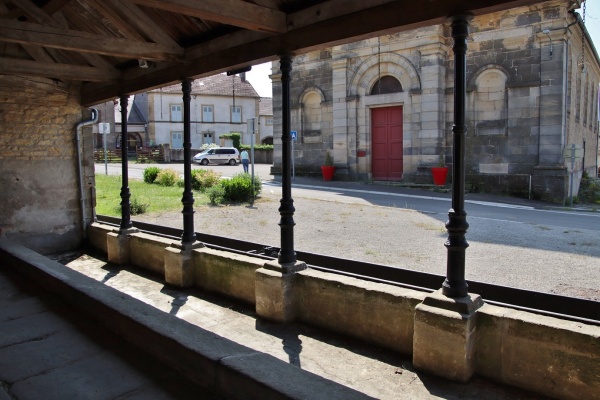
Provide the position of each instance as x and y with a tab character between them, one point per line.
547	32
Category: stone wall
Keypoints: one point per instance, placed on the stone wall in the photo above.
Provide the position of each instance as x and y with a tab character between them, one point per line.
527	101
40	196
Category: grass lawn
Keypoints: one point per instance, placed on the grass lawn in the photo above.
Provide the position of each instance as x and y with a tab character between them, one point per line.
158	198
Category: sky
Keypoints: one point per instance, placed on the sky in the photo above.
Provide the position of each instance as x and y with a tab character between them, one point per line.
259	75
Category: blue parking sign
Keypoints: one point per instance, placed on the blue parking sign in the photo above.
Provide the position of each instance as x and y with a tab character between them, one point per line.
294	135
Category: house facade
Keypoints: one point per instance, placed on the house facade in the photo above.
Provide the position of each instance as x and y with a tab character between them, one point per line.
266	120
383	107
220	104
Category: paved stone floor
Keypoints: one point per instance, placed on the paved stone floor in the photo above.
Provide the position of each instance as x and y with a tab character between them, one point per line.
49	351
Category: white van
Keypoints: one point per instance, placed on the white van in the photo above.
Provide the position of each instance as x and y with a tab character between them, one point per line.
218	155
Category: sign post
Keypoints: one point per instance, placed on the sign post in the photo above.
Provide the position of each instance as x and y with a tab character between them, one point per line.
294	135
104	129
251	131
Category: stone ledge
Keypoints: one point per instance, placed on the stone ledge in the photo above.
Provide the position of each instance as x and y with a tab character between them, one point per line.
221	365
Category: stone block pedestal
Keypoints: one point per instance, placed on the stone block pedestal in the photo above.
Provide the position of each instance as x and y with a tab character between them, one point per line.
444	336
274	290
179	266
117	246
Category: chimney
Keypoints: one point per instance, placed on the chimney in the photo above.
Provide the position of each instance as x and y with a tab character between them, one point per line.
243	76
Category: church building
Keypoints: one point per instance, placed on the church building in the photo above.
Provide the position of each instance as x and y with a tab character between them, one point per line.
383	107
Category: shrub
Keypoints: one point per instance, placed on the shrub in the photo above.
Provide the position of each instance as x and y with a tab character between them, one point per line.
216	194
235	137
167	177
257	147
206	146
203	179
138	207
150	174
135	207
239	187
589	190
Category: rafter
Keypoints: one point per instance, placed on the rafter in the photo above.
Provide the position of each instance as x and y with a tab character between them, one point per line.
231	12
20	32
11	66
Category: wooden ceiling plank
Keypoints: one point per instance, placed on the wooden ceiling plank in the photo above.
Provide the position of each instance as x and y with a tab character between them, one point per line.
142	22
109	13
38	53
13	66
20	32
37	14
230	12
54	6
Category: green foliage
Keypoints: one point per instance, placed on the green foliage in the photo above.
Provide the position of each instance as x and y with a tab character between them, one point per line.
167	177
150	174
207	146
589	190
203	179
268	147
235	137
328	159
138	207
240	187
216	194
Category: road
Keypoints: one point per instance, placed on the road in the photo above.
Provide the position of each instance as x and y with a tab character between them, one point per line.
435	204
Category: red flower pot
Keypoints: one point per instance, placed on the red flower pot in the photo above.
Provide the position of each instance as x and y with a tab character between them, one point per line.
327	171
439	175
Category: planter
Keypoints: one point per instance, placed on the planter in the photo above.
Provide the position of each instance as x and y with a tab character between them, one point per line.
439	175
327	171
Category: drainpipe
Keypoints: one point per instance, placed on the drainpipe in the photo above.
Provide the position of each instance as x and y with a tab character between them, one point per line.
78	129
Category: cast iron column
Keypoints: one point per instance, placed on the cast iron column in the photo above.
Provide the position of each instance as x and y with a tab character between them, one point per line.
287	255
125	194
455	284
188	236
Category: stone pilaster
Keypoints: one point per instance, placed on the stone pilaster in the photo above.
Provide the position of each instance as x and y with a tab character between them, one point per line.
444	335
342	139
274	288
431	135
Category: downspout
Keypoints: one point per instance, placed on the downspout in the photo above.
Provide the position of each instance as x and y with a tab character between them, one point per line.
79	131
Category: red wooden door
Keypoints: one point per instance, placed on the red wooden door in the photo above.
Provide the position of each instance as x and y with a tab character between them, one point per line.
387	151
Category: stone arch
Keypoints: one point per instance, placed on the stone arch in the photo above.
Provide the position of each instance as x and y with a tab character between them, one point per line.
311	112
368	72
472	82
489	96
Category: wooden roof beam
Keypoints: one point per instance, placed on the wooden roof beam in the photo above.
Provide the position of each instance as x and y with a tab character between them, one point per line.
65	39
12	66
231	12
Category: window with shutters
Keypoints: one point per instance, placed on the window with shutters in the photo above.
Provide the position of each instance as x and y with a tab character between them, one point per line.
207	114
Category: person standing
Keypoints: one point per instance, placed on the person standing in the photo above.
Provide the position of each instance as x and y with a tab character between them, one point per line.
245	160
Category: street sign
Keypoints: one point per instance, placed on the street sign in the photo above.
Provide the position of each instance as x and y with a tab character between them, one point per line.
294	135
104	128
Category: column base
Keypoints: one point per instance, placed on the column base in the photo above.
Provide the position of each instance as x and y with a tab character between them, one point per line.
179	266
117	246
444	335
274	291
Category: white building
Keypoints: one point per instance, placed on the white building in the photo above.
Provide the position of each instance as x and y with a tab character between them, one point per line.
220	104
266	120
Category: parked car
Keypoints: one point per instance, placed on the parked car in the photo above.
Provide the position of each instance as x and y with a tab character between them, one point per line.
218	155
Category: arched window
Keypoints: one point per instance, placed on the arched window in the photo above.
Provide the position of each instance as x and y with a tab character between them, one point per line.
311	123
387	84
491	103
